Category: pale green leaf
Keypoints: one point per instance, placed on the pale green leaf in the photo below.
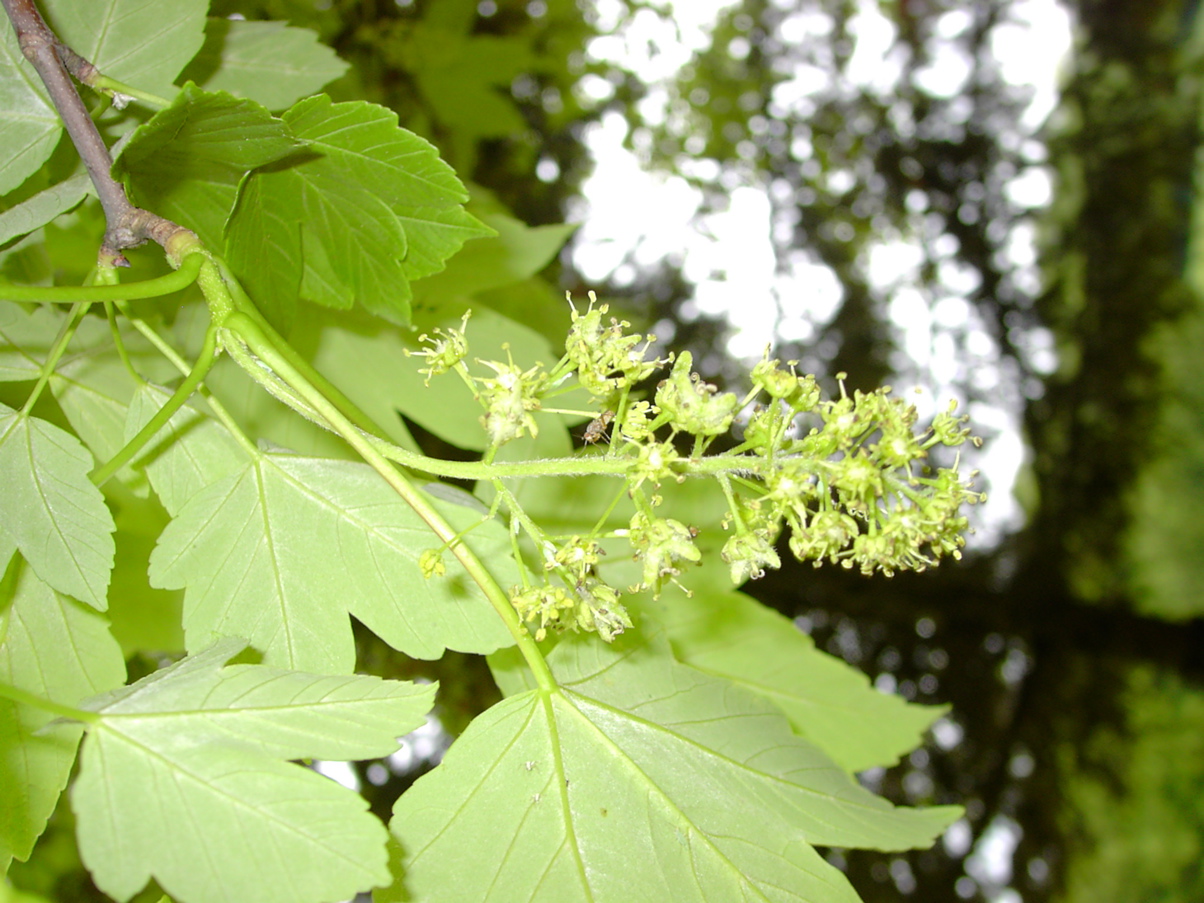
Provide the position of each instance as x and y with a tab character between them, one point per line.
22	336
28	124
144	43
830	703
340	221
182	780
186	163
50	509
56	648
189	453
269	62
282	551
37	211
638	779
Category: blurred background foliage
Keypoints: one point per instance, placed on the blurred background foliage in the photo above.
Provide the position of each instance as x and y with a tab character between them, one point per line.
1070	642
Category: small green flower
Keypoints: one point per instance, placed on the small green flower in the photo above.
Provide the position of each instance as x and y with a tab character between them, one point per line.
607	358
600	610
430	562
578	556
774	381
509	399
748	554
448	347
692	405
858	480
826	536
545	606
661	543
950	430
653	464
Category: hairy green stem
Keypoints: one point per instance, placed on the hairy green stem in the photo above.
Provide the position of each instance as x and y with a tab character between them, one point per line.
129	291
345	405
183	392
248	331
16	694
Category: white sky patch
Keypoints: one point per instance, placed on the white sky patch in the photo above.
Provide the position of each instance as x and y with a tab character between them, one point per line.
991	862
872	65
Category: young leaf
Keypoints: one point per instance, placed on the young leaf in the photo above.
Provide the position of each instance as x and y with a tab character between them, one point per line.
828	702
187	162
56	648
139	42
269	62
50	509
28	122
638	779
183	780
369	207
283	550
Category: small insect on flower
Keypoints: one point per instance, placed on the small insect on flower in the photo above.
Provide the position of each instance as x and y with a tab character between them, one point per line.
596	431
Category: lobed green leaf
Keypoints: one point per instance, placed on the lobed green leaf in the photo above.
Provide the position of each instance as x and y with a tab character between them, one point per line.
50	510
186	163
369	207
284	549
144	43
268	62
829	703
182	780
60	650
638	779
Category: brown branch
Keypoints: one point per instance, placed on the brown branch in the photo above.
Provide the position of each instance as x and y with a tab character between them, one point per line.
127	226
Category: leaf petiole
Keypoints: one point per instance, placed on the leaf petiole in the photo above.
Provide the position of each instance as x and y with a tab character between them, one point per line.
183	392
23	697
127	291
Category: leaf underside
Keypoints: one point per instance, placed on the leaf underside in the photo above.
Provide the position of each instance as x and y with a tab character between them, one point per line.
639	779
183	780
283	550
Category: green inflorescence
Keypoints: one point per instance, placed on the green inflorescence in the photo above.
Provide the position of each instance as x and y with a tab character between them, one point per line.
849	476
